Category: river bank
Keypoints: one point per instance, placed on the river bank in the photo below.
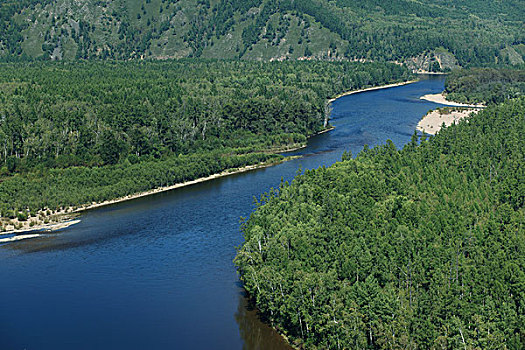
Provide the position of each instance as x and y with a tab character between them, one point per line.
227	172
371	89
35	231
61	219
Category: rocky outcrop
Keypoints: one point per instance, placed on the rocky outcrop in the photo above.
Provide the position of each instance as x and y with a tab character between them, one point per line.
437	61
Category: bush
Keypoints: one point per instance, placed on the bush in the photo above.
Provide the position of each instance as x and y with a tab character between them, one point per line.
133	159
11	164
21	216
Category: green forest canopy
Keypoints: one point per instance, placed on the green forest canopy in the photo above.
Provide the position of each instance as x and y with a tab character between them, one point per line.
485	85
415	248
71	134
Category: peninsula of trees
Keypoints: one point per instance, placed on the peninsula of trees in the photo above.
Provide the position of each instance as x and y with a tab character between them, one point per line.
74	134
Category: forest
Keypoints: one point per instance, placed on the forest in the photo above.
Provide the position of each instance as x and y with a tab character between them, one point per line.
73	134
448	33
419	247
485	85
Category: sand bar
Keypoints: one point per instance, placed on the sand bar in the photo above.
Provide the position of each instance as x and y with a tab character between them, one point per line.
433	121
18	238
23	232
172	187
440	98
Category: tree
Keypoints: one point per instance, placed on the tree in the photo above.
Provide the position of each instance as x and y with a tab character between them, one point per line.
110	148
307	51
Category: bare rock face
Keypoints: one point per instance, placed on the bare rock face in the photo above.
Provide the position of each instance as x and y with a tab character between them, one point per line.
436	61
512	56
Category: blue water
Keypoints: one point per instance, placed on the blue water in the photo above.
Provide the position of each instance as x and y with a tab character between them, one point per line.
157	272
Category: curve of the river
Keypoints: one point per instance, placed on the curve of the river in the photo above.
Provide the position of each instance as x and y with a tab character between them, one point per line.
157	272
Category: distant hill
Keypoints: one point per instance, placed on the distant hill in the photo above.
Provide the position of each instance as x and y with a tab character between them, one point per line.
429	35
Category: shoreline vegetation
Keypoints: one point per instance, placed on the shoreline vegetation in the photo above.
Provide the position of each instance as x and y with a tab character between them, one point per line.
431	124
469	91
63	216
109	130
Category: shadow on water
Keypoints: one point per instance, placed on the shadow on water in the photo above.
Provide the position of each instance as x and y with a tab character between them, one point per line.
254	328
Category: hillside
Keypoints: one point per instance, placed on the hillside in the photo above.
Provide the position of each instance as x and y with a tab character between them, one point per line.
426	34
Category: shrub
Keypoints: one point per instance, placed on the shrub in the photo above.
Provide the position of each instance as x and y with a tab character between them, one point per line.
21	216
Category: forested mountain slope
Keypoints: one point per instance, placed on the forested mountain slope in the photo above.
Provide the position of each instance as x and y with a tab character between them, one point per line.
431	35
415	248
485	85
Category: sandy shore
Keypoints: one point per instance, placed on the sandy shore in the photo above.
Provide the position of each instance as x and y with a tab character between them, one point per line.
325	131
178	185
426	72
433	121
371	89
31	230
18	238
440	98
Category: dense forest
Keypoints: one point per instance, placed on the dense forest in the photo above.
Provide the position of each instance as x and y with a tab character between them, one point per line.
485	85
71	134
427	34
415	248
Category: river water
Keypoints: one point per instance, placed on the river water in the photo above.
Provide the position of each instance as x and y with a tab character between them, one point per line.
157	272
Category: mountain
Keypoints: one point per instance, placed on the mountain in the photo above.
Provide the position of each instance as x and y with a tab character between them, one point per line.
428	35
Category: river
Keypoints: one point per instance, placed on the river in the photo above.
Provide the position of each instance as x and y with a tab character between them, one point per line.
157	272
